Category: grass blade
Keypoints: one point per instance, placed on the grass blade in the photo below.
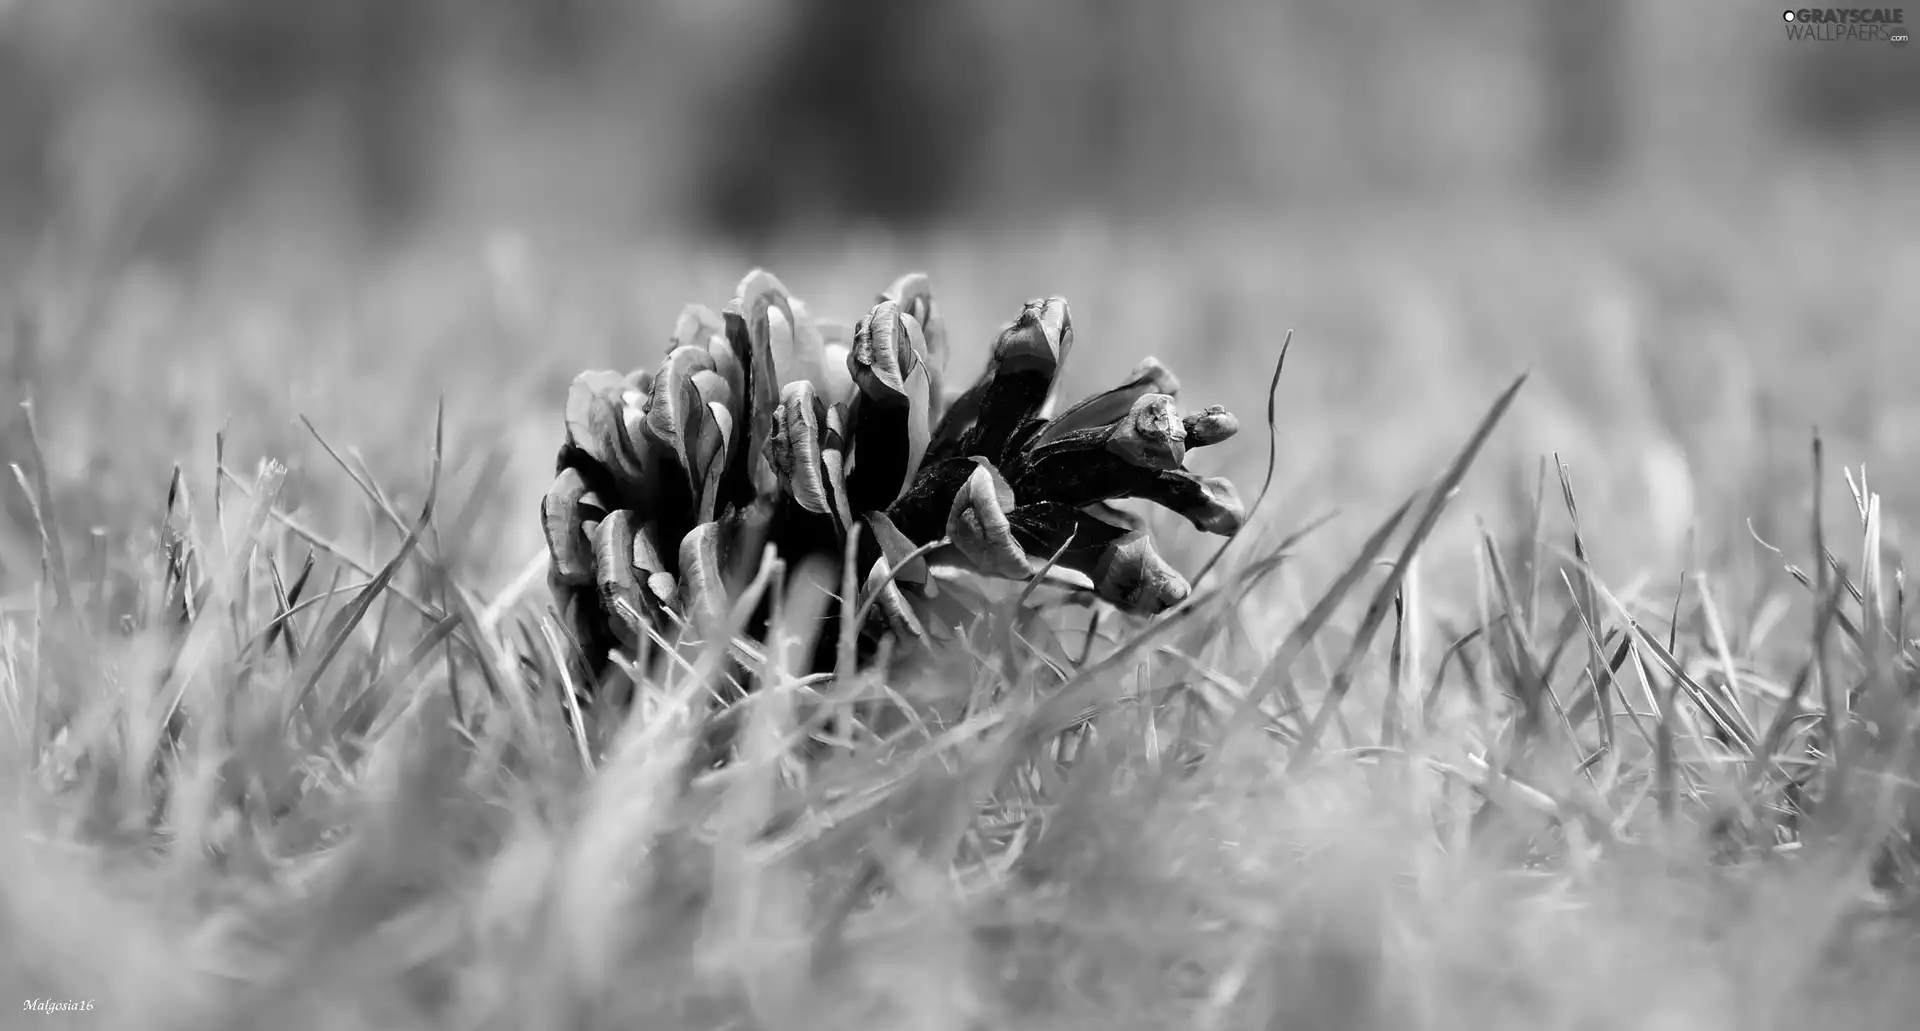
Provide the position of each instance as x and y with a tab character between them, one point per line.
46	512
348	618
1376	611
1273	460
1279	668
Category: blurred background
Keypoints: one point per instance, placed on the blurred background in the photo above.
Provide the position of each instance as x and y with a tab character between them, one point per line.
1700	235
751	118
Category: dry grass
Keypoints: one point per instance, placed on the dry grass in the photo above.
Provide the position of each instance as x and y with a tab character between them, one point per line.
1408	769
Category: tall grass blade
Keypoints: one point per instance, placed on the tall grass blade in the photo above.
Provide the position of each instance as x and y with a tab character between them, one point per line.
46	512
1273	461
1376	610
1832	692
1588	606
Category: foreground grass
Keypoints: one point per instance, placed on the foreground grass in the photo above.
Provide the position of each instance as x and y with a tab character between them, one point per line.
273	765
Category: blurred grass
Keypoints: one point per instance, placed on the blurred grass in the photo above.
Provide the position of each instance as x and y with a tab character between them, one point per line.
464	872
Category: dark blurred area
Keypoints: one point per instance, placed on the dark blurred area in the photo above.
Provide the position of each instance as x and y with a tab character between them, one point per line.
167	121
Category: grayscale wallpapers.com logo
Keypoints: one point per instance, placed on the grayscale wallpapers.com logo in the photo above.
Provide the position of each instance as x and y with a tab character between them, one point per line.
1848	25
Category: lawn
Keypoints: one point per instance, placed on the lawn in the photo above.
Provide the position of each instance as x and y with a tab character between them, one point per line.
377	811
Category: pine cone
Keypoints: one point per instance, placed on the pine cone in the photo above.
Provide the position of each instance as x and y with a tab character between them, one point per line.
671	483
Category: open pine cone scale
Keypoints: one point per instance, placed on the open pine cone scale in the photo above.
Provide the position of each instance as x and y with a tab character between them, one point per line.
764	426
